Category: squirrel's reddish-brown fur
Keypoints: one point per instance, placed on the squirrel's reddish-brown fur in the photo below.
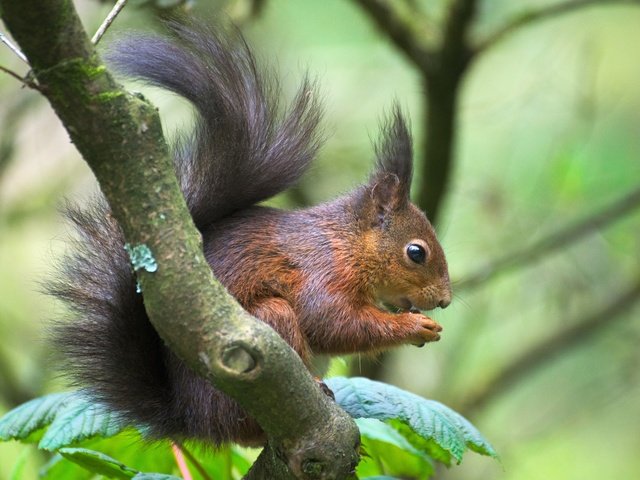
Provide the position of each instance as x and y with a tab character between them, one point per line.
318	276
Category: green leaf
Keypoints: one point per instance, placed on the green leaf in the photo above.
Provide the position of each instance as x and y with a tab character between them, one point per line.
17	472
70	417
128	447
226	462
57	467
97	462
428	445
79	419
381	477
155	476
25	419
385	451
240	460
377	430
217	463
364	398
136	451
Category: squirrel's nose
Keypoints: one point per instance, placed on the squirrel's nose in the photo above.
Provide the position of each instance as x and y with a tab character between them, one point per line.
445	297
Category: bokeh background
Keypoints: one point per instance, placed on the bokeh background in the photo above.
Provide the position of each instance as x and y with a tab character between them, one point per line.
543	356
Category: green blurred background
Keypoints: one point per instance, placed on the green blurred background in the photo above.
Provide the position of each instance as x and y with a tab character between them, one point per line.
548	135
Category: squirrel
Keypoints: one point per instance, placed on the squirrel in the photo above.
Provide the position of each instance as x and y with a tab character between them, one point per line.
319	276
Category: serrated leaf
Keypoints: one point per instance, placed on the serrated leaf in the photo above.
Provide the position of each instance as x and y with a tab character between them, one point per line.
70	417
97	462
80	418
364	398
29	417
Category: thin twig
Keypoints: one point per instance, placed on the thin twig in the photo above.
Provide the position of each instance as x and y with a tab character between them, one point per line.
13	74
180	462
14	49
554	241
203	473
551	11
108	21
565	339
22	80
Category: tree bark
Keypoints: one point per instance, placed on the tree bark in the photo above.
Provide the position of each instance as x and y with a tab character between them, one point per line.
120	137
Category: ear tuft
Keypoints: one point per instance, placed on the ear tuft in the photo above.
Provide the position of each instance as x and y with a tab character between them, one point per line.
394	153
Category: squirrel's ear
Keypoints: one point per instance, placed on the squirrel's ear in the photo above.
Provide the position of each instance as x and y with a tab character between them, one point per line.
386	194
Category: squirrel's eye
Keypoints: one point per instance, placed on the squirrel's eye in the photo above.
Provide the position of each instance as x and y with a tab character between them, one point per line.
416	253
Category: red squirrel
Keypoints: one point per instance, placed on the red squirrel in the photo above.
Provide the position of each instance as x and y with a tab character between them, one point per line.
319	276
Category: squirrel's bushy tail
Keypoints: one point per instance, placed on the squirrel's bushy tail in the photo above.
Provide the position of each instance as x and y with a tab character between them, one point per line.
109	346
244	148
111	349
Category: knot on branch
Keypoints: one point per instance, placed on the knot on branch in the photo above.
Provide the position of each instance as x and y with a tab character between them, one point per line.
317	460
312	468
239	358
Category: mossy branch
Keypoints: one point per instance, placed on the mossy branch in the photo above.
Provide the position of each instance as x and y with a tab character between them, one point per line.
120	137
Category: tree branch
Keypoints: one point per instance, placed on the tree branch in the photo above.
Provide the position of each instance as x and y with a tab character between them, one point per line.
552	242
442	86
455	45
552	11
120	137
407	27
580	331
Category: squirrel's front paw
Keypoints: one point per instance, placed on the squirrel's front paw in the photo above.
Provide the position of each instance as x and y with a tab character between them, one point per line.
426	329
